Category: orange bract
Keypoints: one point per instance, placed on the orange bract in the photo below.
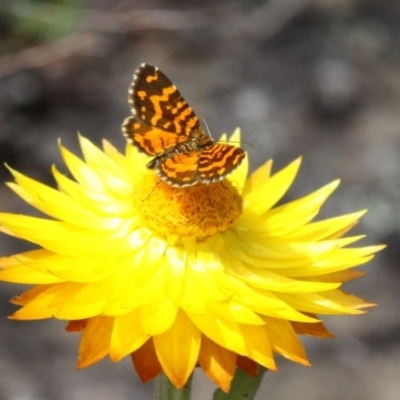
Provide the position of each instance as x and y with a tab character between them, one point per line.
163	125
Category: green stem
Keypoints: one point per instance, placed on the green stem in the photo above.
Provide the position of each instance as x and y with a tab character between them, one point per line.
165	390
243	387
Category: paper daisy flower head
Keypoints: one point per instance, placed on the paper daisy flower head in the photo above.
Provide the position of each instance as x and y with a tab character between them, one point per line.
214	276
209	274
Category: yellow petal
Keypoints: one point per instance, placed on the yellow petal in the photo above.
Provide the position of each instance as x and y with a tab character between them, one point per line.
334	302
209	275
237	312
326	229
13	268
176	352
317	329
192	300
25	275
221	331
101	203
258	177
47	302
264	279
284	340
113	176
158	315
238	176
127	335
337	261
262	198
29	295
135	164
174	273
267	303
81	301
97	159
95	342
82	172
59	205
218	363
258	345
288	218
114	154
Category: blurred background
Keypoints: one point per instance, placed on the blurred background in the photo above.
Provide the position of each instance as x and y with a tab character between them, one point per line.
318	78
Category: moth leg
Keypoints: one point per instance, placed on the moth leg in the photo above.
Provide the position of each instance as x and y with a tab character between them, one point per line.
151	191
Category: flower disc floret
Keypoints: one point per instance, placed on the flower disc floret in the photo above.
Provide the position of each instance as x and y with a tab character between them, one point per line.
198	211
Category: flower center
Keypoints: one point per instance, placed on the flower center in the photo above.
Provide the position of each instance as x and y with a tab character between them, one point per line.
199	210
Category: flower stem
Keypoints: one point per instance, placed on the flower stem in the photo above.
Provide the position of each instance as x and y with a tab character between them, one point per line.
244	386
165	390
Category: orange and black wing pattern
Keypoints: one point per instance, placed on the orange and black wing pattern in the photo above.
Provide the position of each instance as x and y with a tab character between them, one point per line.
202	166
161	118
163	125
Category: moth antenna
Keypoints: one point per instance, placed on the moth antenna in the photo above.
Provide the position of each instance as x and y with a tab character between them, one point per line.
203	120
241	142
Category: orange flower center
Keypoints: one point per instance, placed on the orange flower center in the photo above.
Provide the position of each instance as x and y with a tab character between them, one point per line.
196	211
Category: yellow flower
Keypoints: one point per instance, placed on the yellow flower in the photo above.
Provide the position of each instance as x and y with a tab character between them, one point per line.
214	276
